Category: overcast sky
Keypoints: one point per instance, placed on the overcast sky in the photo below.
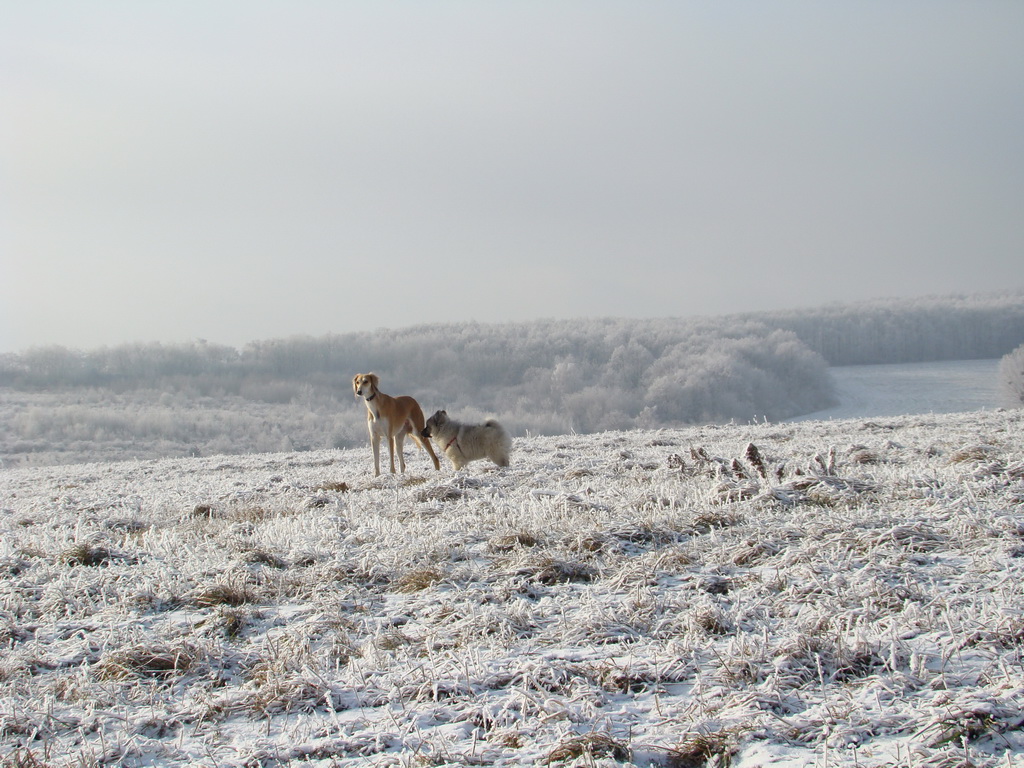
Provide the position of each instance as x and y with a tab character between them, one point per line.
238	170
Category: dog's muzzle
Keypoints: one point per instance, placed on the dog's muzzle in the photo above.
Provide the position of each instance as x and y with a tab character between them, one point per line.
426	432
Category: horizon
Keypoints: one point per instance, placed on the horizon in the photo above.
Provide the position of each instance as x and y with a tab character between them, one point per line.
881	300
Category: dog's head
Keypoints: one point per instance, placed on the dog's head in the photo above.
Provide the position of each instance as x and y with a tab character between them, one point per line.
434	423
365	384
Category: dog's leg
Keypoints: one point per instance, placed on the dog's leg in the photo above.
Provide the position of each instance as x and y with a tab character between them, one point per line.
424	443
455	456
375	444
399	441
415	425
391	452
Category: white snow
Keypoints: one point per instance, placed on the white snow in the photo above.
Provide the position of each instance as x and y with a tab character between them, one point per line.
647	597
949	386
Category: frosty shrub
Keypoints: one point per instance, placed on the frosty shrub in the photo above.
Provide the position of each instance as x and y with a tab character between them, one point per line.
1011	375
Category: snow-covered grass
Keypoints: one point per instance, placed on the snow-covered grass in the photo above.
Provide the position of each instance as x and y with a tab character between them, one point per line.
841	593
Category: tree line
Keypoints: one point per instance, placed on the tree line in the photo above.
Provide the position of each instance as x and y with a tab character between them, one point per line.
545	376
928	329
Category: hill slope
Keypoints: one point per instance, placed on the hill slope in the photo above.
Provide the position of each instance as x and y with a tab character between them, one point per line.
845	593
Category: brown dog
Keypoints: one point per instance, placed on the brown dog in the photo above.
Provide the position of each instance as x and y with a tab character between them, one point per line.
392	418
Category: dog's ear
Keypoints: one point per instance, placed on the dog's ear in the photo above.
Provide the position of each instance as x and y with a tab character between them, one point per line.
374	380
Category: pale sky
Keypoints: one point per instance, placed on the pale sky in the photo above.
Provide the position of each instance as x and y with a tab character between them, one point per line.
237	170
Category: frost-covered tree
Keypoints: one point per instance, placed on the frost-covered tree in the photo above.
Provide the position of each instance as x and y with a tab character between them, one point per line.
908	330
1011	375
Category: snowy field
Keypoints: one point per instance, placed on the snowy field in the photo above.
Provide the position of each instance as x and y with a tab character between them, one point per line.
821	593
950	386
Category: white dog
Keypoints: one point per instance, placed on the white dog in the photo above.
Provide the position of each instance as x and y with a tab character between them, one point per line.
463	443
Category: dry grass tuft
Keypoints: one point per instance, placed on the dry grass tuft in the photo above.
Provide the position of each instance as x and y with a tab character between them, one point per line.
973	453
863	455
248	514
751	551
392	639
549	570
704	750
337	487
263	557
26	758
221	594
507	542
283	681
711	620
231	621
86	554
710	519
588	542
418	580
440	493
592	746
646	535
730	492
917	538
1008	635
674	559
629	678
958	728
575	474
160	661
133	528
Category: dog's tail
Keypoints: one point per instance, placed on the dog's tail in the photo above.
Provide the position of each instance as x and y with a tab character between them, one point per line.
504	442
